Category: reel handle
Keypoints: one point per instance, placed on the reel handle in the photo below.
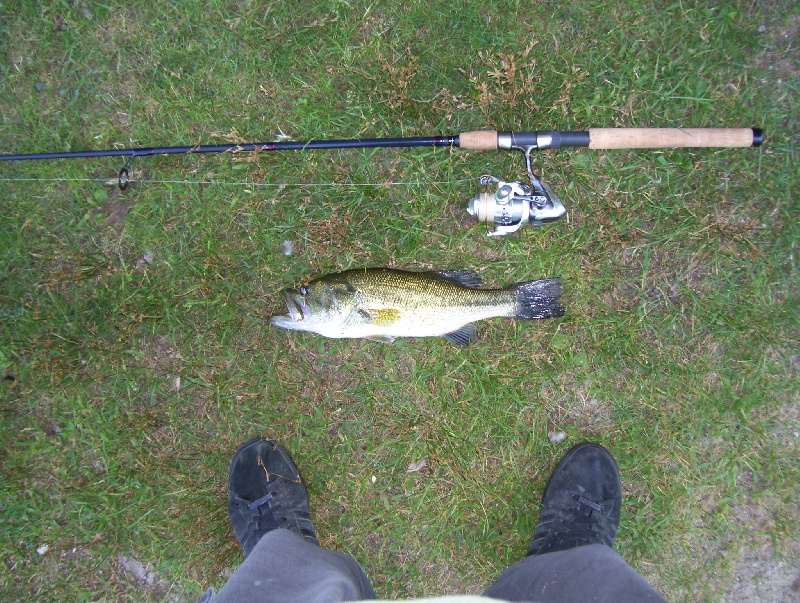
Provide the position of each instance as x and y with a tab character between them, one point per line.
613	138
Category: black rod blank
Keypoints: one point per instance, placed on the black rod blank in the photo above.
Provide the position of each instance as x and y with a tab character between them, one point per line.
363	143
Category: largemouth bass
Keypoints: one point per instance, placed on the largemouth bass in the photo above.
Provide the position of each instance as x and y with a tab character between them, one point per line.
383	303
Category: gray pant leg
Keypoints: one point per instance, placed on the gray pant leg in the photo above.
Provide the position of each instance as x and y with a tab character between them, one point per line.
586	573
283	567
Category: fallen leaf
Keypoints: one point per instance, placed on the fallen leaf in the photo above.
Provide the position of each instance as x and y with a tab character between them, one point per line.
417	466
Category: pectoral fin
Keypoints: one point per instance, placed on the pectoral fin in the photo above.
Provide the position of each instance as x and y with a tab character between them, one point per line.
381	338
380	317
463	336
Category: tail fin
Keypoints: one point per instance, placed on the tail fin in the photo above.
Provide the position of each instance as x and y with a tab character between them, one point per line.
539	299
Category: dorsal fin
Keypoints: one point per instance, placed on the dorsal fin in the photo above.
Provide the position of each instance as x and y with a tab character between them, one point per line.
465	278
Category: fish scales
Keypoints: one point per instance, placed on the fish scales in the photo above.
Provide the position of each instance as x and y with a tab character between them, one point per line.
426	290
384	303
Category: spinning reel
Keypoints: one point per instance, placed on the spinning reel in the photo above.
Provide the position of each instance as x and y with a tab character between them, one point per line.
514	204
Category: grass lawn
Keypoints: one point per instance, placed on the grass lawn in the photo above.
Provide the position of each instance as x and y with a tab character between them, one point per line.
136	352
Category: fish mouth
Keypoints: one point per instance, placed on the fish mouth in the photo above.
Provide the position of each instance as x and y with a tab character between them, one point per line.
296	307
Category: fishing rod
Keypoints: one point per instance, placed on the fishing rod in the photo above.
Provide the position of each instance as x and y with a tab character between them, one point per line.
512	203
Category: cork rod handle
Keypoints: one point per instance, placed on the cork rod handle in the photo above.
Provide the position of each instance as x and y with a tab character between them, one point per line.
614	138
655	138
482	140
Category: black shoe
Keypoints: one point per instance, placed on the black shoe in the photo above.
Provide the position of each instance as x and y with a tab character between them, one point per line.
581	502
266	492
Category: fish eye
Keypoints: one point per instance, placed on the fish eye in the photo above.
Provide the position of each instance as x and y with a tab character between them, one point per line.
303	290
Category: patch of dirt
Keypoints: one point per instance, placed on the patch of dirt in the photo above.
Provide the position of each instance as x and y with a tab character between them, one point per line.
762	576
571	404
145	579
116	208
159	353
764	568
784	64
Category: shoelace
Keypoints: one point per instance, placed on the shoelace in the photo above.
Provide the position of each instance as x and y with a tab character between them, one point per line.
582	525
266	519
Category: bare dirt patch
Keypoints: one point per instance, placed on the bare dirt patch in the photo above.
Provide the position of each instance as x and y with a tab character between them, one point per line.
116	208
763	576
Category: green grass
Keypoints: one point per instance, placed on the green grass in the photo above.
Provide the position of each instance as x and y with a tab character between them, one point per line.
128	385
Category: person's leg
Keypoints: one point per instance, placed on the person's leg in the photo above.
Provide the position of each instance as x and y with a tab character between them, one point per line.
586	573
269	511
571	558
284	568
